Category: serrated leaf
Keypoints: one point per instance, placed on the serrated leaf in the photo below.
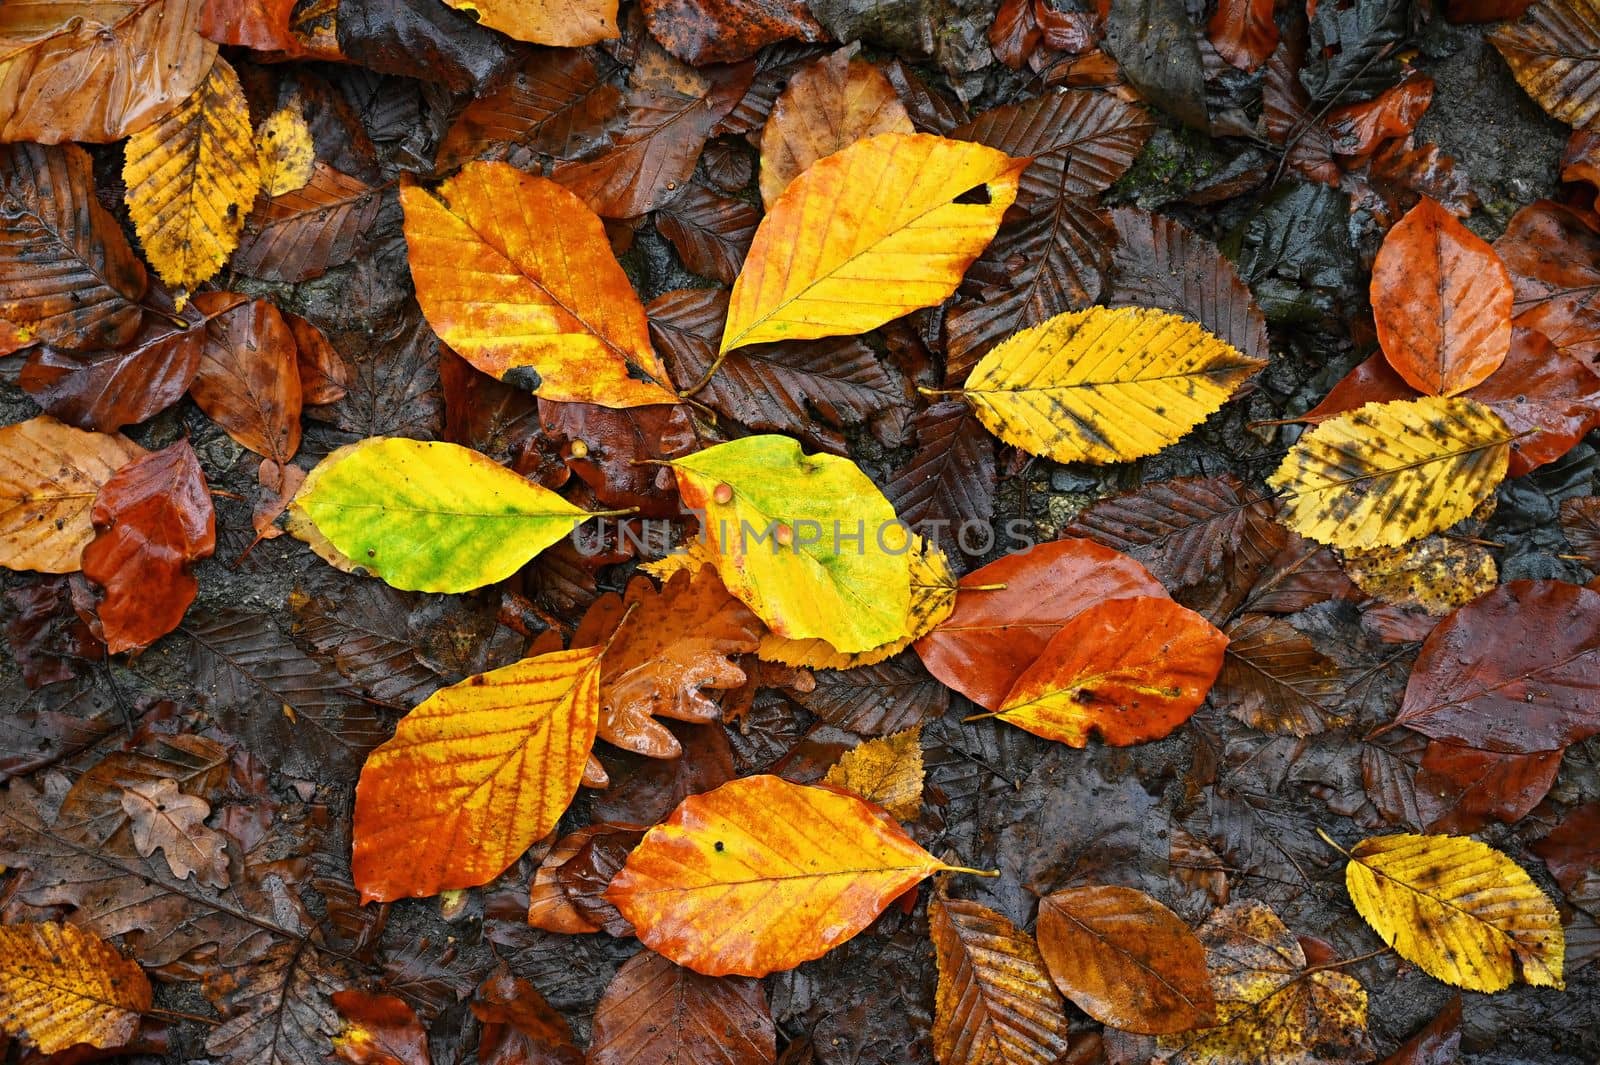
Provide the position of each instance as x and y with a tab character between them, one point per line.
1104	385
710	231
950	481
887	771
1460	910
777	519
61	985
429	517
279	1010
515	274
50	474
1554	53
1388	473
474	776
1079	141
995	1004
761	875
191	179
893	238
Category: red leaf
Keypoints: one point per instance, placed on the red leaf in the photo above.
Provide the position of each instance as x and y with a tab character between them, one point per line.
249	377
1553	255
379	1030
1243	31
1460	790
1358	129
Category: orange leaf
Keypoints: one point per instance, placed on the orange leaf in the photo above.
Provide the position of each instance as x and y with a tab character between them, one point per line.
761	875
1442	300
61	985
1131	669
516	275
474	775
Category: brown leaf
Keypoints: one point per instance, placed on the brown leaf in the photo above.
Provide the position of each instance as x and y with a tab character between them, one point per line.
1286	110
1243	31
152	519
1580	523
519	1027
324	375
259	24
1439	1041
557	104
302	234
1554	51
549	908
106	390
1574	860
162	816
1551	252
67	273
657	1013
947	488
604	446
1460	790
711	232
47	639
651	788
50	474
723	31
1275	680
877	700
278	1008
584	878
249	376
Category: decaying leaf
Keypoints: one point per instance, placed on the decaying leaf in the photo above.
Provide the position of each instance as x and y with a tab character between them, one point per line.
761	875
1389	473
1459	909
302	233
1275	680
1104	385
1554	51
192	178
288	157
1437	574
887	771
162	816
50	474
248	380
474	776
657	1013
61	985
994	1003
544	22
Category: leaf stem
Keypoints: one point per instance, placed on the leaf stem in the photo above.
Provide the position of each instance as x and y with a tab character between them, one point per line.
980	717
982	587
941	391
705	378
1329	841
987	874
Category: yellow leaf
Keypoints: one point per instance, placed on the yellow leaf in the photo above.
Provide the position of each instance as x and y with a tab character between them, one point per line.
1438	574
288	156
887	771
995	1004
933	597
1105	385
474	776
516	275
49	476
563	24
61	985
868	234
1388	473
761	875
192	178
1458	909
430	517
806	541
693	557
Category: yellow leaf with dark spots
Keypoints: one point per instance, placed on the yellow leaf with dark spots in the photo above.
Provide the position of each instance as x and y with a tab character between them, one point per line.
192	178
1458	909
1437	573
1388	473
288	156
887	771
1105	385
61	985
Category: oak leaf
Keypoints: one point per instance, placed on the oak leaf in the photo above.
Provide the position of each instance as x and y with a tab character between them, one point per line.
61	985
1389	473
1458	909
192	178
50	474
1125	959
761	875
162	816
897	237
475	775
516	275
656	1013
887	771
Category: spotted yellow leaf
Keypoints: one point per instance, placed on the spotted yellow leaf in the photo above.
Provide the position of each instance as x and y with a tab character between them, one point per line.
1458	909
61	985
1389	473
288	156
1105	384
887	771
192	178
1437	573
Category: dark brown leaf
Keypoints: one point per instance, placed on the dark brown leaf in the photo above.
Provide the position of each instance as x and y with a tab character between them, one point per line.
424	39
950	481
711	232
605	444
556	104
1460	790
725	31
1273	678
656	1013
876	700
302	234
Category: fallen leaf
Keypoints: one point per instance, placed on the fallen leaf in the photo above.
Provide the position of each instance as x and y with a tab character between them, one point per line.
719	887
324	375
474	776
67	274
544	22
1570	853
162	816
108	389
1436	573
416	39
994	1001
86	70
1126	960
876	700
278	1007
426	516
1442	302
656	1013
898	238
1354	51
1389	473
1104	385
260	24
710	232
378	1030
1357	130
549	908
886	771
301	234
778	520
287	155
1130	669
1244	32
828	106
1008	611
152	519
61	985
948	485
617	452
1554	53
519	1025
50	474
1460	790
1437	1043
1474	688
1078	142
1550	251
1458	909
248	380
557	104
1275	679
192	178
722	31
544	302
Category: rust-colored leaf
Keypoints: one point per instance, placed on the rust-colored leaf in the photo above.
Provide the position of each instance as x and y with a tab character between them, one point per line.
378	1030
1551	252
658	1013
107	389
723	31
557	104
301	234
249	376
1244	31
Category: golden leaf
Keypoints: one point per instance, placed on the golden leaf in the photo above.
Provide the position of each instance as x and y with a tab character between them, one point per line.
475	775
1458	909
995	1004
1554	53
868	234
1105	385
1388	473
61	985
566	25
761	875
1437	573
192	178
288	156
50	474
887	771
